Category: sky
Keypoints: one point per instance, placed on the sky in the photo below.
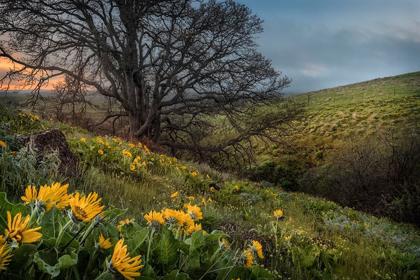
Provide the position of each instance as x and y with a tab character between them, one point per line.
327	43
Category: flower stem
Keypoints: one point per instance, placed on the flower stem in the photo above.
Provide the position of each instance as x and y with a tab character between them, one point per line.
102	275
62	230
150	244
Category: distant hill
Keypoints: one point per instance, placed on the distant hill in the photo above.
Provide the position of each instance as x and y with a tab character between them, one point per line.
335	115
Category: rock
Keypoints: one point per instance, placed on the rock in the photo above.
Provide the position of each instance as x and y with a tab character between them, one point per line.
50	141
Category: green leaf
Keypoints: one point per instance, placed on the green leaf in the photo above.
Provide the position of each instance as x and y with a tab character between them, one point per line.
137	240
5	206
167	248
197	240
46	260
50	223
175	275
237	272
193	259
215	235
21	256
49	262
261	273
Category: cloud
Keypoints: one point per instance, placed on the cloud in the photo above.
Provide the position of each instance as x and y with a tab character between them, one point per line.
322	44
313	70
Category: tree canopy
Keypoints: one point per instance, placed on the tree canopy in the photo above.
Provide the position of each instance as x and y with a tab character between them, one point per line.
172	65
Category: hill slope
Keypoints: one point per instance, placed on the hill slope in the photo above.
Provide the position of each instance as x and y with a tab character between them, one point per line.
311	238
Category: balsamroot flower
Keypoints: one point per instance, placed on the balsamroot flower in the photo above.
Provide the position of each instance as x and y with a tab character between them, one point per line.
195	212
194	228
4	257
154	219
126	222
47	196
174	195
19	231
173	217
85	208
278	214
256	247
104	243
224	245
247	258
125	265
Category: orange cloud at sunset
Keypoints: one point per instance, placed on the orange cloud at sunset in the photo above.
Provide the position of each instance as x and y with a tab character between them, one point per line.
6	65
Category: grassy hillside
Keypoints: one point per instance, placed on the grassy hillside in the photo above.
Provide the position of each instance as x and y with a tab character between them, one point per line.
334	116
311	238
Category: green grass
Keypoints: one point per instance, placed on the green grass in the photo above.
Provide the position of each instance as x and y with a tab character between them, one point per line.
327	239
333	116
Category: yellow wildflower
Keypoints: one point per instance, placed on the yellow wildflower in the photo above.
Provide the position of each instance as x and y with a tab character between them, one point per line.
47	196
2	144
173	217
125	265
125	222
195	212
225	245
204	202
83	139
287	238
154	219
247	256
193	228
278	214
85	208
174	195
132	167
104	243
127	153
256	247
18	230
191	197
100	152
4	257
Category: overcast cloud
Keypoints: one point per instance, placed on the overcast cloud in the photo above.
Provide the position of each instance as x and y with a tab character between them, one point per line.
322	44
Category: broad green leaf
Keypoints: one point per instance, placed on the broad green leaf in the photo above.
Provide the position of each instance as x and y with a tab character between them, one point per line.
193	259
49	262
175	275
50	223
167	248
5	206
46	262
137	240
184	247
148	271
68	260
197	239
21	256
215	235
